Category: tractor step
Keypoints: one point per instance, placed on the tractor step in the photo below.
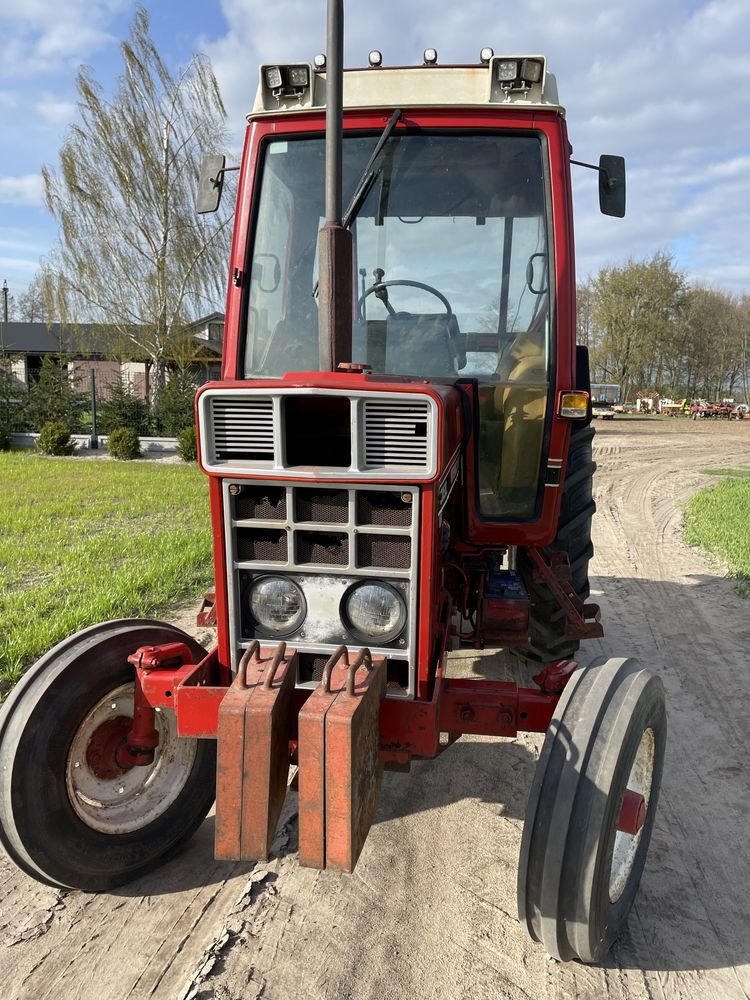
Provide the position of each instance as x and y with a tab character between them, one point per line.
340	768
252	765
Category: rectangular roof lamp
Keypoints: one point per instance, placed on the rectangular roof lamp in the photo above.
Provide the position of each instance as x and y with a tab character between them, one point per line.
518	73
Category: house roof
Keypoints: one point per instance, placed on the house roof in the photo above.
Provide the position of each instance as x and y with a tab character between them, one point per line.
41	338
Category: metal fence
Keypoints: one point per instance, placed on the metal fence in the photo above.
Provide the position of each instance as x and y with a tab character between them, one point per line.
96	398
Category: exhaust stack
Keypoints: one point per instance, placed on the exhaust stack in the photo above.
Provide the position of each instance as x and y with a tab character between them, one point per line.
334	241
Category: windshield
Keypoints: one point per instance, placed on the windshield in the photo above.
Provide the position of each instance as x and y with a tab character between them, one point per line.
451	264
450	255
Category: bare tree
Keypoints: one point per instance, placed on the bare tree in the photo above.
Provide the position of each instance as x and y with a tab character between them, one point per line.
131	252
32	306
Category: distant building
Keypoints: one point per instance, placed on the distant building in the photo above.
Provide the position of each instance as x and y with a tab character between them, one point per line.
27	344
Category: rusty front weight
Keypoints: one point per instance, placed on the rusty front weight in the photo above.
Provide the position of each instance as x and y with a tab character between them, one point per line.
277	659
364	657
333	659
248	656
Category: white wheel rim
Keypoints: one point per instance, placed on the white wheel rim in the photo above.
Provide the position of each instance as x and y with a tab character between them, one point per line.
626	844
136	798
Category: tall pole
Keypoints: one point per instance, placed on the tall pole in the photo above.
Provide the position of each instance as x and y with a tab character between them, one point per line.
94	440
4	328
334	110
334	242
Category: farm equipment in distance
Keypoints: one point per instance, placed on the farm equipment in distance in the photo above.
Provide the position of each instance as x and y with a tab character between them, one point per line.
399	455
605	401
701	409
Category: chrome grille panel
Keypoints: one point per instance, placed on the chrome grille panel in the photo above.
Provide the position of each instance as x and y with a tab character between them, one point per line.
387	435
242	427
396	433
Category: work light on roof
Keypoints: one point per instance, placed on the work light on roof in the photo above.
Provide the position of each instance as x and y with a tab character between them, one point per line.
507	70
320	61
298	76
518	74
486	54
430	57
531	71
273	77
287	81
375	58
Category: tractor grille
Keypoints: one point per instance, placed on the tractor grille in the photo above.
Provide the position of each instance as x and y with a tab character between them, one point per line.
261	545
323	549
396	433
322	506
322	435
261	503
377	507
242	427
382	551
325	539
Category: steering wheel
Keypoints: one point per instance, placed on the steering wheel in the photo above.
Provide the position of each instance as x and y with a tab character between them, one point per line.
379	286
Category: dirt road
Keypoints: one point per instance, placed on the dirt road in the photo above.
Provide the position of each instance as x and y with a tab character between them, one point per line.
430	910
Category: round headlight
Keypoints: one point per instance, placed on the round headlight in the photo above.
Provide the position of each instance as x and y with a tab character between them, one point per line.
277	605
374	612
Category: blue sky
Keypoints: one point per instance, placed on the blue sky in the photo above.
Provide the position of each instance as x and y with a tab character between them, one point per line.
665	84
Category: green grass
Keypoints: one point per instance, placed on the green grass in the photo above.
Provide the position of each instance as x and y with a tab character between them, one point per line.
738	472
718	520
86	541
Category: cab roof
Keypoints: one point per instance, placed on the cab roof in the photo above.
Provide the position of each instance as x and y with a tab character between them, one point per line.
299	87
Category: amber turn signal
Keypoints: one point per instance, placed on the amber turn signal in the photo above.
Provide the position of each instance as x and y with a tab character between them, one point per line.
573	405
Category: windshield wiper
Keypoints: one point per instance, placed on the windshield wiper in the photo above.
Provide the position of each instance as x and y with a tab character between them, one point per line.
369	173
364	184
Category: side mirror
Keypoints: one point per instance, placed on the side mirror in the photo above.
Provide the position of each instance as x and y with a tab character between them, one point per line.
210	184
612	185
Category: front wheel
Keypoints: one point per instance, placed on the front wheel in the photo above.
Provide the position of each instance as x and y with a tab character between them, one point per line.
69	816
591	809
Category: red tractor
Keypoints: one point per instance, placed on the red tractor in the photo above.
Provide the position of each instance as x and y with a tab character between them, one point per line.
400	460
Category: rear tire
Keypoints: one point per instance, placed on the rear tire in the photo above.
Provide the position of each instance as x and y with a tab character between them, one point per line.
547	621
578	874
61	822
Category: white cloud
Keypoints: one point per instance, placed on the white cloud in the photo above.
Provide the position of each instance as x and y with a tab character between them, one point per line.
25	190
54	109
666	85
40	36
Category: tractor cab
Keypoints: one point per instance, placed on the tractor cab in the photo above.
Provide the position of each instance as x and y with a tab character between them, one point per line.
451	259
453	256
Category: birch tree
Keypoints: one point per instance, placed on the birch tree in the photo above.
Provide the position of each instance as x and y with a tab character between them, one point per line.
131	252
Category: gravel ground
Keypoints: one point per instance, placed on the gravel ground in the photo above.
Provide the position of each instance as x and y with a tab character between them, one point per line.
430	910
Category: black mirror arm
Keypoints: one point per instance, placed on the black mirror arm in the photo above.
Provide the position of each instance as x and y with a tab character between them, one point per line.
611	181
220	173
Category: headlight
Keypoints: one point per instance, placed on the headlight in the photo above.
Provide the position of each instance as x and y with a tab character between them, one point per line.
373	612
277	605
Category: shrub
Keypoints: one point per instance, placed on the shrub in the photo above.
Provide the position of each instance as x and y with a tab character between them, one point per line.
124	444
54	439
123	408
11	402
175	409
53	397
187	445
